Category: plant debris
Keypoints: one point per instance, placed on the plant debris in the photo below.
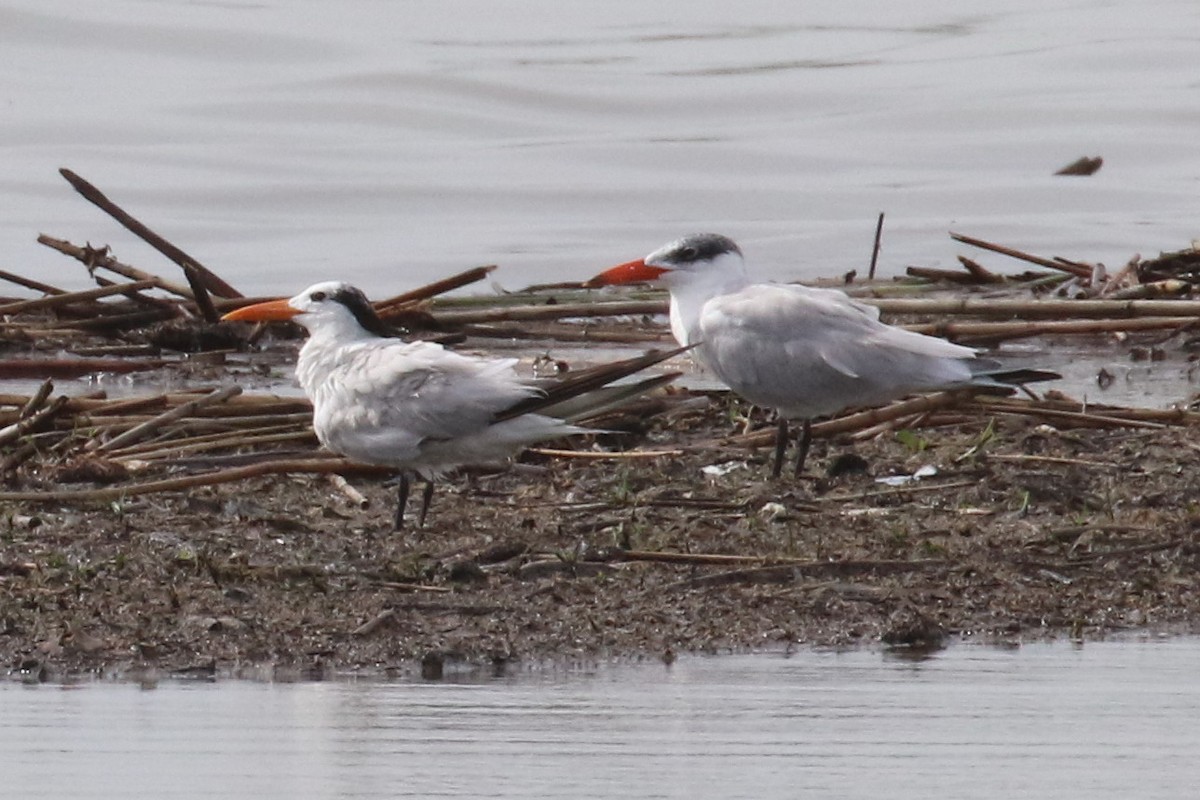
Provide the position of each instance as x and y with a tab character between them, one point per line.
200	531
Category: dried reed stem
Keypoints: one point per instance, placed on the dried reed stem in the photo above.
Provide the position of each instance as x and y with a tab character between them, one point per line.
317	466
152	425
1078	270
210	281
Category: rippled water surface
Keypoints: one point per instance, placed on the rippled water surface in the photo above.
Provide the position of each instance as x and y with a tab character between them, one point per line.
1107	720
391	143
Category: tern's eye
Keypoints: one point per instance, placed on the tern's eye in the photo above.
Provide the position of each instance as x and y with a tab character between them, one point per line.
688	254
317	297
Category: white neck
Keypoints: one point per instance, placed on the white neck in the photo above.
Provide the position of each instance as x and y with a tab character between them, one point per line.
691	289
321	351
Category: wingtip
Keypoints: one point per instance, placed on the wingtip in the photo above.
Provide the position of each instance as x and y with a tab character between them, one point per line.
573	385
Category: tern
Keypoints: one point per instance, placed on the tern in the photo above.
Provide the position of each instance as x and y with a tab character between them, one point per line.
420	408
804	352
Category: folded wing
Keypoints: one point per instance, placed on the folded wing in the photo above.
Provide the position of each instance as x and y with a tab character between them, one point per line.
811	352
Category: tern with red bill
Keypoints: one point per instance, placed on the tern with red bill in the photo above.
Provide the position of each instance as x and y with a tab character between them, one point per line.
420	408
801	351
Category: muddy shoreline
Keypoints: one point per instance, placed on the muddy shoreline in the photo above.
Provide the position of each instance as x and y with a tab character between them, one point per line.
122	554
1016	530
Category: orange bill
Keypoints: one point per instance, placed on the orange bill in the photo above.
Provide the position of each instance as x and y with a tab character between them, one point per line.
262	312
629	272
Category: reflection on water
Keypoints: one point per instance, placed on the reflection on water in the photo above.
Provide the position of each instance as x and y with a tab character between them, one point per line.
1103	720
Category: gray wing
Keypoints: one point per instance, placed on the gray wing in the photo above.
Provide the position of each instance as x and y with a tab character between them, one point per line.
809	352
390	398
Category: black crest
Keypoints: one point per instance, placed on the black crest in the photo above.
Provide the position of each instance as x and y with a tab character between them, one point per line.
698	247
353	299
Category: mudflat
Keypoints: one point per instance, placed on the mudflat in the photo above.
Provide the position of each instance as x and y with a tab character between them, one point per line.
989	525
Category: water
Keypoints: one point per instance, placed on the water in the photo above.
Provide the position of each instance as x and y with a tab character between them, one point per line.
392	143
1105	720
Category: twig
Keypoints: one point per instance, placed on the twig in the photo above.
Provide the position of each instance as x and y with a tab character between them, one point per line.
598	456
259	434
115	407
887	426
114	350
935	275
114	322
232	424
1074	462
98	257
201	279
353	495
706	559
721	559
469	609
554	286
21	427
38	399
320	466
167	308
283	572
54	301
179	448
384	617
1111	418
433	289
790	572
1079	270
150	426
912	488
978	272
254	405
28	283
405	586
857	420
997	331
567	332
18	457
1137	549
875	247
231	460
548	311
14	368
1169	287
1040	309
965	306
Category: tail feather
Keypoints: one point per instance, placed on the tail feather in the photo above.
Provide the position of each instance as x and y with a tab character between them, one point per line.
996	380
598	401
1015	377
584	382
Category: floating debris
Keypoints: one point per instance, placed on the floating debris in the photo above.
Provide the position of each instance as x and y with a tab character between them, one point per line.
1084	165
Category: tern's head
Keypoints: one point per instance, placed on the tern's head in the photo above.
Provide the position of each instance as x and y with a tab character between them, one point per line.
332	305
703	257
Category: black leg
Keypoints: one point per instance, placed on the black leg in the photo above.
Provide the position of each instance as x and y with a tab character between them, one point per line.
402	500
426	496
781	440
802	446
